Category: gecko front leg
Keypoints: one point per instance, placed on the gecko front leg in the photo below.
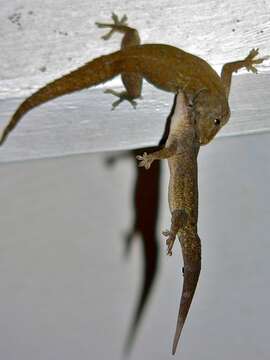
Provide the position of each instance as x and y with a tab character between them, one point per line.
249	63
147	159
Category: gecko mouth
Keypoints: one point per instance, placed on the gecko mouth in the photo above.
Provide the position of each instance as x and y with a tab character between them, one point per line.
205	140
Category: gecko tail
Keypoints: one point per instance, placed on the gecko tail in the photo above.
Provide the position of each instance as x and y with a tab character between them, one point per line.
92	73
192	268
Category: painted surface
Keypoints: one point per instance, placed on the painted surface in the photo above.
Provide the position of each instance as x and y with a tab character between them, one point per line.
41	43
66	288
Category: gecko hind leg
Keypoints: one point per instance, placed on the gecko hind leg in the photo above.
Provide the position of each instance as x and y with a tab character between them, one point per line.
122	95
178	221
131	81
116	26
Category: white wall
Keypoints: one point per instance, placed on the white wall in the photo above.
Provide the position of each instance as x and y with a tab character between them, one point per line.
67	292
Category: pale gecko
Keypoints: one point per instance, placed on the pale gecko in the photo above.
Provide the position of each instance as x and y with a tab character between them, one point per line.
181	149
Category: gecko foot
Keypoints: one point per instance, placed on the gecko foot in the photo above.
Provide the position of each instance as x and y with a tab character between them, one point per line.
145	160
123	95
169	241
114	27
250	60
179	220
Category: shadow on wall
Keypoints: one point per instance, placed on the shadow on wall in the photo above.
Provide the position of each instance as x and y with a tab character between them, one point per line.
146	203
146	199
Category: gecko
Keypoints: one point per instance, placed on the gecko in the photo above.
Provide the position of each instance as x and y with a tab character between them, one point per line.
164	66
167	68
181	149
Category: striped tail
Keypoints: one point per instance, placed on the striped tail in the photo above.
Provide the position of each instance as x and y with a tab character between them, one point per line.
92	73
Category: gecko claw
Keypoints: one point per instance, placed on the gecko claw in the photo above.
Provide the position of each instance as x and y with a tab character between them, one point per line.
166	232
250	60
116	20
145	160
123	95
169	241
114	27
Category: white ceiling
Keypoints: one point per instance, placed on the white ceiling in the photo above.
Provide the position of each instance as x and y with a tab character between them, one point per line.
41	40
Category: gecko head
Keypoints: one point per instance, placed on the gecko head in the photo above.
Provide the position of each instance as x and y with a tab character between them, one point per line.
211	114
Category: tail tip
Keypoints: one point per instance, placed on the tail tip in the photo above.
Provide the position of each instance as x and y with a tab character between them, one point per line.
2	136
176	339
174	349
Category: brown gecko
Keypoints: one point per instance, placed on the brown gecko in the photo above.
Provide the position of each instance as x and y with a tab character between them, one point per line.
164	66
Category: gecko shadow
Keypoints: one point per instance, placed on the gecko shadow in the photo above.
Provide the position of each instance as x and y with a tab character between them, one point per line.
146	203
146	198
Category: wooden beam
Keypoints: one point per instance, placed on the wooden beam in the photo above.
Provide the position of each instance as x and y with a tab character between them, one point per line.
39	44
83	122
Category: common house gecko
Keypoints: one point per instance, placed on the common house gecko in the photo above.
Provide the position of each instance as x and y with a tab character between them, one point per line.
164	66
201	110
181	149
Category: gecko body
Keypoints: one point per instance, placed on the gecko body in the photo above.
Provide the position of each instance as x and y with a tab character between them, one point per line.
181	149
164	66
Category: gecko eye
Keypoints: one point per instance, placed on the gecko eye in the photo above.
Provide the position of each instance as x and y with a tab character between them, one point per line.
217	122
